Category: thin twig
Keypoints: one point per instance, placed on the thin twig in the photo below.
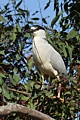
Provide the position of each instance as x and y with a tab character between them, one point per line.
4	41
40	11
21	92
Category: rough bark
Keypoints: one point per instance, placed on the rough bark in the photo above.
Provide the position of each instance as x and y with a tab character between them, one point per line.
17	108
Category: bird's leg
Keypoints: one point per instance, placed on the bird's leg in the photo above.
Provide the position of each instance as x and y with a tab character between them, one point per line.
59	87
59	90
58	77
42	82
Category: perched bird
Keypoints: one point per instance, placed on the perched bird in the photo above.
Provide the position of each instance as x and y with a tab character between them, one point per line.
46	58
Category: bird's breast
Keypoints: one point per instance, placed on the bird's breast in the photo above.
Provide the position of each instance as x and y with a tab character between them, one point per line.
40	54
41	57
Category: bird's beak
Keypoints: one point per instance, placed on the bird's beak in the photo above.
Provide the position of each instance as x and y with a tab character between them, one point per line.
29	30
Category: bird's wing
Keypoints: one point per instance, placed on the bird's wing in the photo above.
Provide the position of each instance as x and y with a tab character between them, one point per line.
57	61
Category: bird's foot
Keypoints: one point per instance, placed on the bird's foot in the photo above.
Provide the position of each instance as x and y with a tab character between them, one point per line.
42	88
56	97
61	99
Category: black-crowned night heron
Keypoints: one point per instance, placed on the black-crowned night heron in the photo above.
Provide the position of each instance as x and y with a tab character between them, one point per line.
46	58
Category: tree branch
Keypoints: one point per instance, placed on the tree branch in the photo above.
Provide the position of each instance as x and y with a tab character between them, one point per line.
21	92
16	108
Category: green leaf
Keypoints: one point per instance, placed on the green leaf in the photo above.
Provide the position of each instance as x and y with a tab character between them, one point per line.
35	13
20	48
70	50
18	56
33	106
19	28
2	36
72	34
12	80
48	93
2	19
77	37
5	91
18	4
30	63
0	90
12	95
44	20
2	75
15	70
2	52
29	85
78	61
56	19
35	18
13	35
37	86
64	50
27	35
68	93
72	101
47	5
24	98
16	78
1	80
72	108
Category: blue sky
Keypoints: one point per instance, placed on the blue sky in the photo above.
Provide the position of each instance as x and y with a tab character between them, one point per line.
33	5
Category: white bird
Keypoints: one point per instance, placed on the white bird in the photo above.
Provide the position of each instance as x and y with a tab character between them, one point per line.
46	58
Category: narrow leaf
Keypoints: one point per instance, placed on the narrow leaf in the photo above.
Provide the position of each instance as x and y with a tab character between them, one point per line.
70	49
37	86
19	4
2	75
27	35
18	27
44	20
16	78
5	91
1	80
30	63
2	19
18	56
64	50
35	18
15	70
13	35
47	5
35	13
12	80
56	19
2	52
72	34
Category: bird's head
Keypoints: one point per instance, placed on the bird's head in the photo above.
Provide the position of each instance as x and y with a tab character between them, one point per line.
37	31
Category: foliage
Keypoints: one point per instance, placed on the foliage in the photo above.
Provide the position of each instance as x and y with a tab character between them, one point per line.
17	69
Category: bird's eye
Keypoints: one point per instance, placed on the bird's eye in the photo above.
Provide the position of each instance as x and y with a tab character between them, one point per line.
37	28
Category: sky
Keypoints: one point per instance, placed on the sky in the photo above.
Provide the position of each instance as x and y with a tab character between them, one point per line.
33	5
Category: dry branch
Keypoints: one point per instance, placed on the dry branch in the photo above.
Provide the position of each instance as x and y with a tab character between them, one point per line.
21	92
16	108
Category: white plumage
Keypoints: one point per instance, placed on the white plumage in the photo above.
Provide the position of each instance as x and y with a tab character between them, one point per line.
46	58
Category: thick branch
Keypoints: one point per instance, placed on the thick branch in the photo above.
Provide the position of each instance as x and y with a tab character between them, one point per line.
16	108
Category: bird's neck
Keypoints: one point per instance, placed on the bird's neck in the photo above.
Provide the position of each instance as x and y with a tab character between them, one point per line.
39	39
41	34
